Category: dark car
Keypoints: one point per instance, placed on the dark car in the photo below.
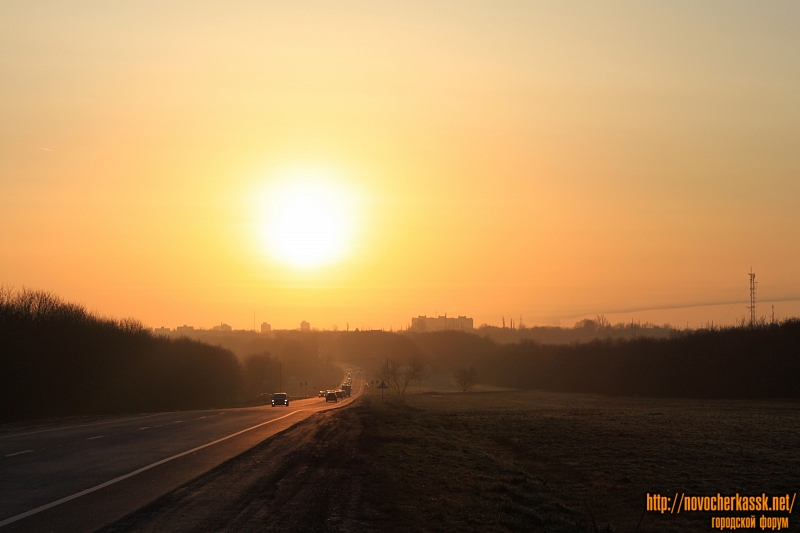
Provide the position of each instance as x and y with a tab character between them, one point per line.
322	394
339	394
280	398
331	396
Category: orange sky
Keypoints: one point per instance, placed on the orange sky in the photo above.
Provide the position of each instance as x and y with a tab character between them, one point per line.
550	160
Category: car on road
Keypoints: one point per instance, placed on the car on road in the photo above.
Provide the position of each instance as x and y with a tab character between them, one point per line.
280	398
331	396
339	394
322	394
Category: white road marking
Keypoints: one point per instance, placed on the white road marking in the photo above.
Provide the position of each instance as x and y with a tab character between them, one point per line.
146	427
18	453
83	425
110	422
97	437
157	463
139	471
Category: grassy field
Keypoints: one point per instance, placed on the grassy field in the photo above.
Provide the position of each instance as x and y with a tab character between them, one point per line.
529	461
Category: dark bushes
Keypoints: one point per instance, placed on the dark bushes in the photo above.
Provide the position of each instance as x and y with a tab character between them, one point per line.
262	373
738	362
57	359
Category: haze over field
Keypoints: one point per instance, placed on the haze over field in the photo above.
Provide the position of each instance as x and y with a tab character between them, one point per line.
363	162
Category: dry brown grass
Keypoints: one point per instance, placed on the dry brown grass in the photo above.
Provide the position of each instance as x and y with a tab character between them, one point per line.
529	461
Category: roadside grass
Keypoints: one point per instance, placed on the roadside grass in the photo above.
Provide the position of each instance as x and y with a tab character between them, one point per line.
531	461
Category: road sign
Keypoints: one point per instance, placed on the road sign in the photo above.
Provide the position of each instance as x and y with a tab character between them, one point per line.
381	387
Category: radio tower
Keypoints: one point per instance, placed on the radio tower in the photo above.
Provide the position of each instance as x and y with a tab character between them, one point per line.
752	306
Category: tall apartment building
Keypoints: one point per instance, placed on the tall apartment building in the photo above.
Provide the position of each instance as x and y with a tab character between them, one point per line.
441	323
305	326
265	328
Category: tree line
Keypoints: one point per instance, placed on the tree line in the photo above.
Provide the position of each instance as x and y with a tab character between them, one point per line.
585	330
745	362
57	359
740	361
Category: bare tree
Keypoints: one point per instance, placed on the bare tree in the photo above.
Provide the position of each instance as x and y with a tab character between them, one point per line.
602	322
413	372
387	373
466	378
398	376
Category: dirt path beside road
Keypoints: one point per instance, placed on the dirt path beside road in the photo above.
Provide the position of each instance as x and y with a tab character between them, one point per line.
304	479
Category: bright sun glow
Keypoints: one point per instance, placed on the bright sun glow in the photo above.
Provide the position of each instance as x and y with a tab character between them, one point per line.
307	220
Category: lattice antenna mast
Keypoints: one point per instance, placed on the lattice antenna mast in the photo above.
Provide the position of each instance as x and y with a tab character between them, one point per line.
752	306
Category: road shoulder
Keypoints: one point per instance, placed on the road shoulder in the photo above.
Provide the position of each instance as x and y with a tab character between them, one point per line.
306	478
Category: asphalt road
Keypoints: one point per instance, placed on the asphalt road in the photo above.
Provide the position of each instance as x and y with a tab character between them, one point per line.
80	475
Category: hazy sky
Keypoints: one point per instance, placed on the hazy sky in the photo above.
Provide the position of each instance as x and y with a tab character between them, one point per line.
550	160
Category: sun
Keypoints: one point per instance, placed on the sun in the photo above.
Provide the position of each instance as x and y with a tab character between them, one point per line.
307	220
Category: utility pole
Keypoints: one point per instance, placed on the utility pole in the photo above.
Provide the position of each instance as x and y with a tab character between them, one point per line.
280	376
752	306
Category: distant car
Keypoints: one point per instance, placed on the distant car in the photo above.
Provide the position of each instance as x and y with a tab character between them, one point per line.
264	397
280	398
331	396
339	394
322	394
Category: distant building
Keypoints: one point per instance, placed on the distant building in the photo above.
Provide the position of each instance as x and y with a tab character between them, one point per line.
163	332
222	327
441	323
265	328
305	326
184	330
